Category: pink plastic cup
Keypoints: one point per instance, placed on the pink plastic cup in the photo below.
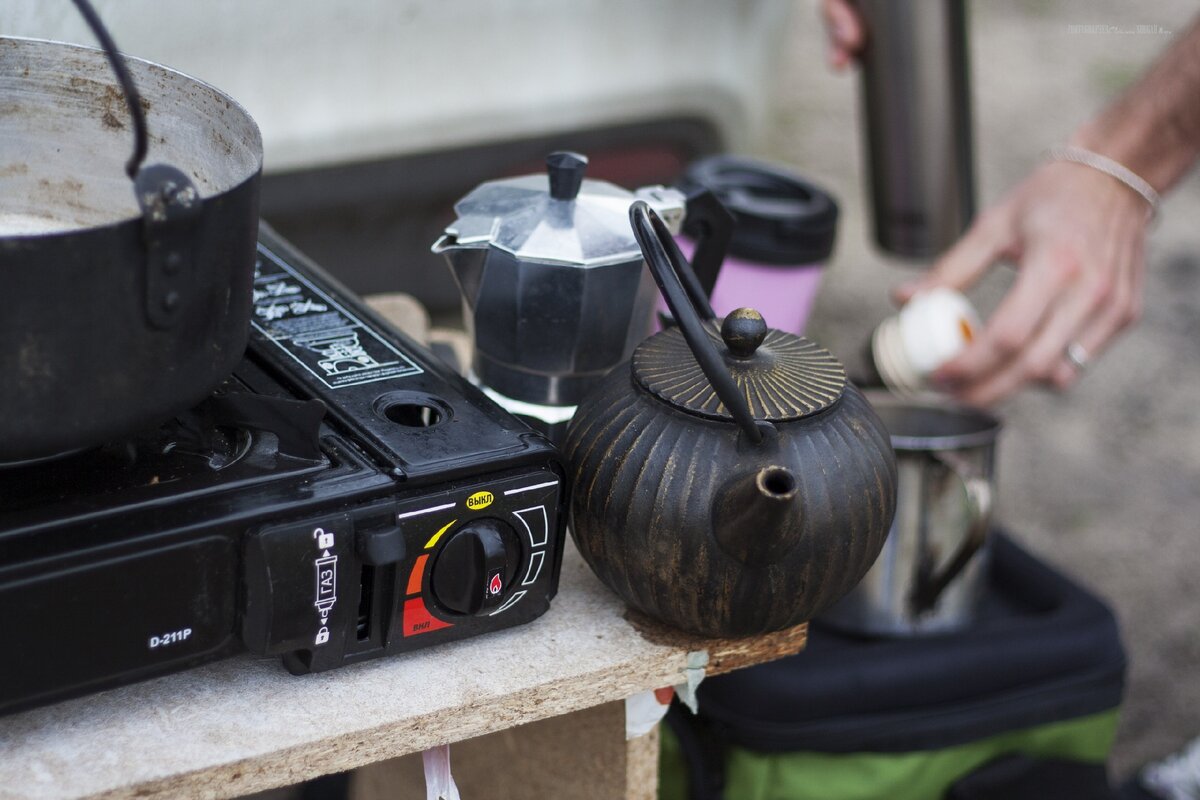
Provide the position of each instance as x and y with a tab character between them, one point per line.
784	296
784	232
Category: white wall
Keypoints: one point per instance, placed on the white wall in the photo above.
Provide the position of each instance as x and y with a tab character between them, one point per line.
331	82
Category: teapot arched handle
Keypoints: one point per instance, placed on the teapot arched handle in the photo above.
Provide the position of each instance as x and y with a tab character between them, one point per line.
672	273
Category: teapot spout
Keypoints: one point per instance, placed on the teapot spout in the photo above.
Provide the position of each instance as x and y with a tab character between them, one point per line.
756	515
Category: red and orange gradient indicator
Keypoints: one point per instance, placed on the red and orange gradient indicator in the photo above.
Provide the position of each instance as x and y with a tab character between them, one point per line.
417	619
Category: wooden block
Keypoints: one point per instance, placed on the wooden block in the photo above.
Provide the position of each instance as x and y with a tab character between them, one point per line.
577	756
404	311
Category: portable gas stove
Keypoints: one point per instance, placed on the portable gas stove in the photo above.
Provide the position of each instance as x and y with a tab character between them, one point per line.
343	496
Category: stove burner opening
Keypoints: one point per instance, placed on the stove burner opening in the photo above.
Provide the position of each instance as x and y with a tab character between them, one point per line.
412	415
411	409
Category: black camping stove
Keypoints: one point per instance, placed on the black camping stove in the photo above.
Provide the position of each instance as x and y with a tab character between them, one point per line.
343	496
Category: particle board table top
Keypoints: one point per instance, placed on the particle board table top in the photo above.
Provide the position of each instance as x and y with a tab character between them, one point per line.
245	724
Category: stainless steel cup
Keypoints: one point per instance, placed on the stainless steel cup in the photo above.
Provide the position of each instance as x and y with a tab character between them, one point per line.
931	572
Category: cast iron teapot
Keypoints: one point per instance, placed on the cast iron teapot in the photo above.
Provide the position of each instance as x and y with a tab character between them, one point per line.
727	483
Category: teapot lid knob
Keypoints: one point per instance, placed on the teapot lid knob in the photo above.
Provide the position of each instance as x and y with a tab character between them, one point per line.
566	173
743	331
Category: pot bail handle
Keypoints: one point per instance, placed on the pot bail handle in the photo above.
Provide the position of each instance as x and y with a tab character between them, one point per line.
132	99
168	199
672	273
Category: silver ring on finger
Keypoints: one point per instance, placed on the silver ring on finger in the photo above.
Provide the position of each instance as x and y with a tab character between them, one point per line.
1078	356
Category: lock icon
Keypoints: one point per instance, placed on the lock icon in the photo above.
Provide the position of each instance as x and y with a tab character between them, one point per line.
324	539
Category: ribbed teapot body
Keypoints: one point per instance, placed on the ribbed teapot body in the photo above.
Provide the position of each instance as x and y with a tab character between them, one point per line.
646	512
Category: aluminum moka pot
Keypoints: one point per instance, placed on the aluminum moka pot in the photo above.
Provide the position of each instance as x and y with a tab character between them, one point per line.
727	483
554	286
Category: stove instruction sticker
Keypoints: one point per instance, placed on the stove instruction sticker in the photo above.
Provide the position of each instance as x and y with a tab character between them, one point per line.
326	594
317	332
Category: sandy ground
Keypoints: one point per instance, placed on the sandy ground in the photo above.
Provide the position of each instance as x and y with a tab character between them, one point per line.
1105	480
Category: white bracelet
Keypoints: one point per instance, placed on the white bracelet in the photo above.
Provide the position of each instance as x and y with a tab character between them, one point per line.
1080	155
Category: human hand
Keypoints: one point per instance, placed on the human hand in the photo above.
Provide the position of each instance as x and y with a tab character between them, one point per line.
845	30
1077	237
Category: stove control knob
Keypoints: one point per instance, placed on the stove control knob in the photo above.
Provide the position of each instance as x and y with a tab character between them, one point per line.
475	567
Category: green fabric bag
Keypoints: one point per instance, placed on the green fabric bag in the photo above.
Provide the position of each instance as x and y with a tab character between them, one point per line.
1027	696
919	775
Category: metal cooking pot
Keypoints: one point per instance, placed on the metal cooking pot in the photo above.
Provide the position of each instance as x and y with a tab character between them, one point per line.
125	288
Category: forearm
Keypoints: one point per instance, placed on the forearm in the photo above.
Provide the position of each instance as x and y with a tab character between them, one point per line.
1154	127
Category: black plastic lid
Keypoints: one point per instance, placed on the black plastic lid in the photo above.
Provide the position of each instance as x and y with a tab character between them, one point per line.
780	217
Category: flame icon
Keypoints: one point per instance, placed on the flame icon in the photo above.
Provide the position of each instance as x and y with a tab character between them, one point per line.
495	585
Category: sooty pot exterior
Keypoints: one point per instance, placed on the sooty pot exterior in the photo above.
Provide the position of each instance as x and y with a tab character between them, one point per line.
695	525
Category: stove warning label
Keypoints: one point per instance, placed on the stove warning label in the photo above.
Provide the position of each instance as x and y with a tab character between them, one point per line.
317	332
